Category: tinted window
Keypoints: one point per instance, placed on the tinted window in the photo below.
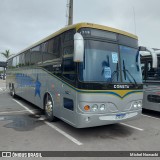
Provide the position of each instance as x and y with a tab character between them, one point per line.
103	34
10	63
69	35
69	69
98	65
127	41
152	73
154	98
36	56
130	64
27	58
98	33
18	61
56	46
51	49
21	60
68	50
14	62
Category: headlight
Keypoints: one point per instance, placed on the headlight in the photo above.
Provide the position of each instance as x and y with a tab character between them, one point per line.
102	107
95	107
135	105
140	104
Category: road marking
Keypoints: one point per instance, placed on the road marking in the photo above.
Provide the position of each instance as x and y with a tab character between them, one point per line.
53	126
2	88
64	133
23	106
140	129
150	116
13	112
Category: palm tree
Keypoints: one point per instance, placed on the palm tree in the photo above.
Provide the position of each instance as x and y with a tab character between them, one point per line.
6	54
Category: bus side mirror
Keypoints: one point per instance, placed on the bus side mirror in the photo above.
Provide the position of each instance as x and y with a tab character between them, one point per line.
78	48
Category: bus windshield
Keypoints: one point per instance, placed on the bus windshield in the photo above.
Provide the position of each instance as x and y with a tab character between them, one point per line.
130	64
102	63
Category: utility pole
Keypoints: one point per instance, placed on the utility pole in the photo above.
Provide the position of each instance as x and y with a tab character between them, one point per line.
70	16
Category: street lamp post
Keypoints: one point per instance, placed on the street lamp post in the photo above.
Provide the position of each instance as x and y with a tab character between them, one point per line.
70	17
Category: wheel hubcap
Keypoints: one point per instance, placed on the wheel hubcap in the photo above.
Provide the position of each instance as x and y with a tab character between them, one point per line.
49	108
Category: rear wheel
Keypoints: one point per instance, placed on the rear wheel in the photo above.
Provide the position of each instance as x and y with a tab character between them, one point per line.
12	91
49	109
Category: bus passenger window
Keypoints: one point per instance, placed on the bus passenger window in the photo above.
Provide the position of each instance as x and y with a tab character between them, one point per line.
69	69
27	58
56	47
14	62
51	49
10	63
36	56
69	35
21	60
17	61
68	50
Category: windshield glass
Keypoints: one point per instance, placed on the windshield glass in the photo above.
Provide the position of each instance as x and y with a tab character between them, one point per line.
101	62
130	64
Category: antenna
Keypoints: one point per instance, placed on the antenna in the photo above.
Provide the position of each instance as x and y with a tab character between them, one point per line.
69	14
134	21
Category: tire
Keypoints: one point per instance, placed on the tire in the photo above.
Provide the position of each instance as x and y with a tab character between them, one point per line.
48	105
12	92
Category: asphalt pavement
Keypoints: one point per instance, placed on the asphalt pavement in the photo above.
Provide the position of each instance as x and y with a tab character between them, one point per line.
23	127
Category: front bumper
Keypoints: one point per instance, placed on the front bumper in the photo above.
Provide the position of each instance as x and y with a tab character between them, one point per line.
91	120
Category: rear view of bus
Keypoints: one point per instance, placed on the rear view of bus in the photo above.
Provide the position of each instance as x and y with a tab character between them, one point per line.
109	77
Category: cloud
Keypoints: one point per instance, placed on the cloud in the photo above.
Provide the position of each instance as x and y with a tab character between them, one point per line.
25	22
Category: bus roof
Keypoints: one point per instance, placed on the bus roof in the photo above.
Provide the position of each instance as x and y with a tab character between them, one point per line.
77	27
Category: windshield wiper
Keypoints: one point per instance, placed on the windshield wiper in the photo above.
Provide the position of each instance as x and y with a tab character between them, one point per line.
124	70
132	77
125	76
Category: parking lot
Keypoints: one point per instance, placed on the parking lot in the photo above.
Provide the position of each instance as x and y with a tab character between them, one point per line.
23	128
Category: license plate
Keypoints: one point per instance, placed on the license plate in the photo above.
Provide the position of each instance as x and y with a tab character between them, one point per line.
120	116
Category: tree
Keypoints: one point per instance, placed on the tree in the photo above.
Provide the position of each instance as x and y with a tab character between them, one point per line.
6	54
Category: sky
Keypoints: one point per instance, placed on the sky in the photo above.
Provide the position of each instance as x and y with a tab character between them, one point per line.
24	22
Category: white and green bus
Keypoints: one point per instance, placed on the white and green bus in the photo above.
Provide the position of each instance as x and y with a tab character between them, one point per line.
85	74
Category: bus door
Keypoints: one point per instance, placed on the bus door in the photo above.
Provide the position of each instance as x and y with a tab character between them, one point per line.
68	94
68	104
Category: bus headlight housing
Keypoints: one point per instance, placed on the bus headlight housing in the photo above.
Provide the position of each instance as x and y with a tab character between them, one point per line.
102	107
135	105
95	107
139	104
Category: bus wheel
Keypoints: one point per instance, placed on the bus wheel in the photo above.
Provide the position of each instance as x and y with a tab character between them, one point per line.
12	92
49	109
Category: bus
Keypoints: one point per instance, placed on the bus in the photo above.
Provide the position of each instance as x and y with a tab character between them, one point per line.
150	65
84	74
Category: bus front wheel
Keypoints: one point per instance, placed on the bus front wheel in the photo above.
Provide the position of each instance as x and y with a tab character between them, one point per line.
49	109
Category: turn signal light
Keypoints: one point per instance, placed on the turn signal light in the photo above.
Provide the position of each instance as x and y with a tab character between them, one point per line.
86	108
